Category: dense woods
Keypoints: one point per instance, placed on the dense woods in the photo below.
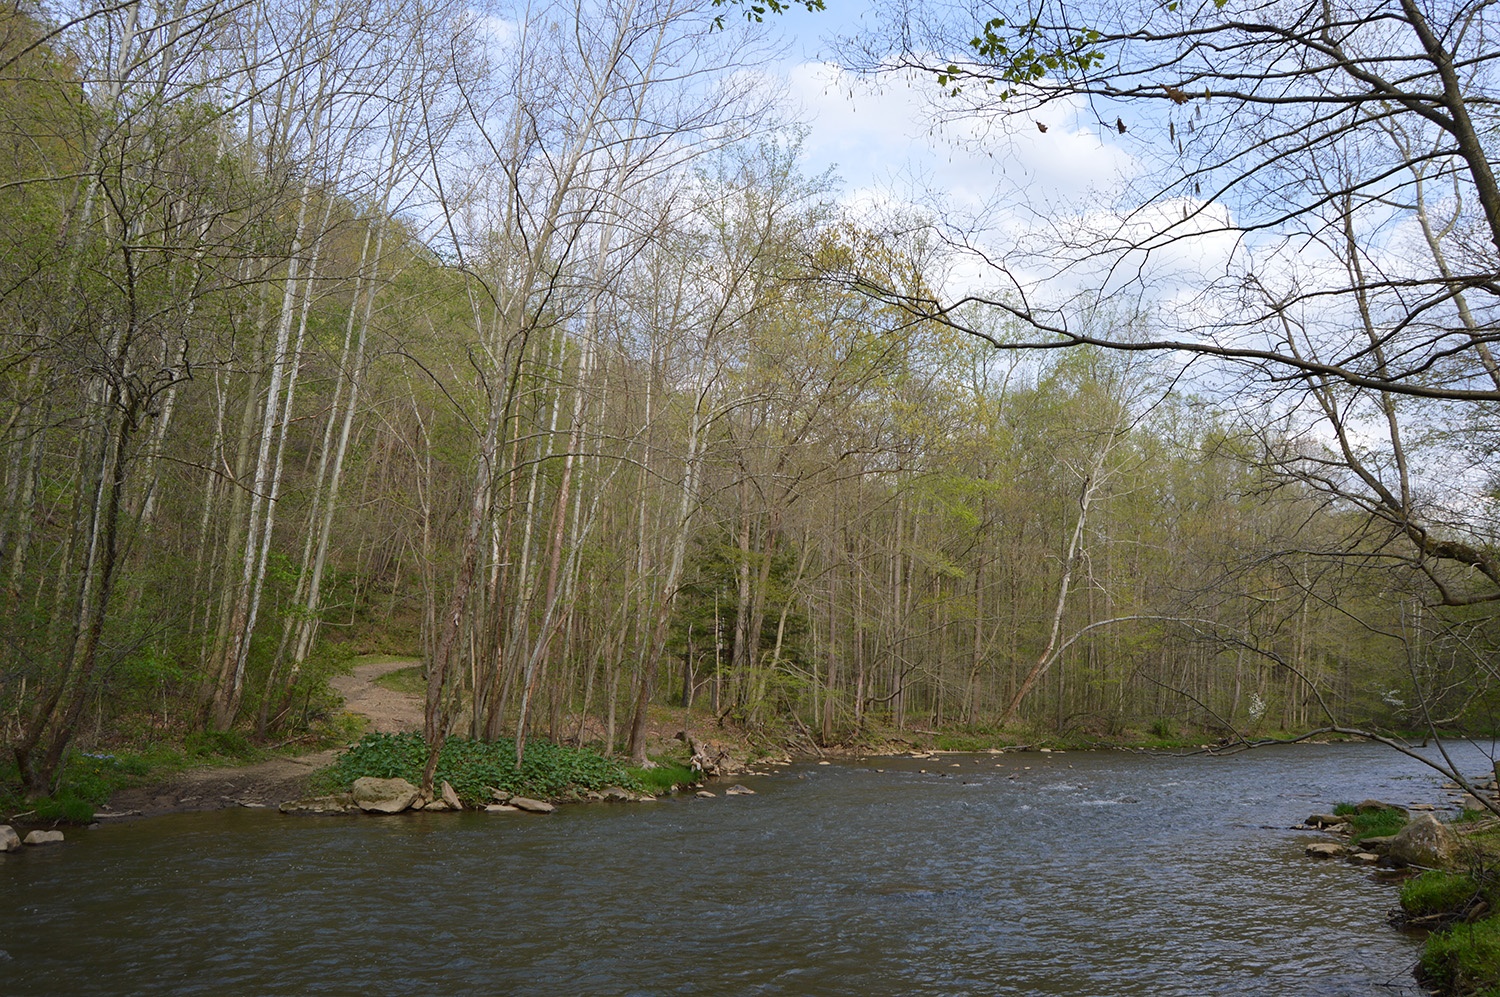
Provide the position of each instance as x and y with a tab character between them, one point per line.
520	342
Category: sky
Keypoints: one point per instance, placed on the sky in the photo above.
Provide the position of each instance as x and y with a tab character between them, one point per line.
882	136
1008	184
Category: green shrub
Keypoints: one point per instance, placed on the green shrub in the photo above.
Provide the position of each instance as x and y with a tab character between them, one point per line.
211	744
1464	959
547	771
86	783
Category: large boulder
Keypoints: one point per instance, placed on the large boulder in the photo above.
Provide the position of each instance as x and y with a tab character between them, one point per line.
9	840
44	838
450	796
1425	841
383	796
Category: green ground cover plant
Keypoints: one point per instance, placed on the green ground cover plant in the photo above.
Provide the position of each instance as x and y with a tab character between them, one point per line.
548	771
664	777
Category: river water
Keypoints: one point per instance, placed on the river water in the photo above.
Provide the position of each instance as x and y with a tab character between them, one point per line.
1097	874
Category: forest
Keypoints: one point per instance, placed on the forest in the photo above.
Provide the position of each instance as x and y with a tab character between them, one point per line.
519	340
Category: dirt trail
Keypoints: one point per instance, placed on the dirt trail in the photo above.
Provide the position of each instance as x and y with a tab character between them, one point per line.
389	711
268	783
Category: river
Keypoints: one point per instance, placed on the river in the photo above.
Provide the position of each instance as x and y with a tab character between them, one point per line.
1087	874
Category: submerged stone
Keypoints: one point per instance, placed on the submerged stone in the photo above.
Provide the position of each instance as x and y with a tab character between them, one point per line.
338	803
531	806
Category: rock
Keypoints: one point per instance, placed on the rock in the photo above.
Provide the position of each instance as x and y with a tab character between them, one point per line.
44	838
1324	849
1375	807
1472	803
436	805
1323	820
450	796
1422	806
1425	842
501	808
825	762
339	803
738	790
383	796
704	794
614	794
531	806
498	795
1364	858
9	840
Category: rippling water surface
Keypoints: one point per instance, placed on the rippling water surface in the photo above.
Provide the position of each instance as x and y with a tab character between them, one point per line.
1089	874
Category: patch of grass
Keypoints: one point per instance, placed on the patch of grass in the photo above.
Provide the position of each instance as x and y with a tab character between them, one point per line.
1374	824
1464	959
1437	892
665	777
410	681
549	771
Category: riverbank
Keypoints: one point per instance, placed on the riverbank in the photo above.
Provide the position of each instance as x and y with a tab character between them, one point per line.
384	695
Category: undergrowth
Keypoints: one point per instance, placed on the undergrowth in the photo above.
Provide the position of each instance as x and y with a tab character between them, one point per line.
548	771
1464	959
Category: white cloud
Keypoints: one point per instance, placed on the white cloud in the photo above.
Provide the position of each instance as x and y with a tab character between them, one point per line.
891	134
